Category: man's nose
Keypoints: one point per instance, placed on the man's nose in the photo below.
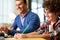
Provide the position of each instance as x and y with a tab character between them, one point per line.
18	7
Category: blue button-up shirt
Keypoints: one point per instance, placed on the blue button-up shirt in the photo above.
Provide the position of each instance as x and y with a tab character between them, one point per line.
29	24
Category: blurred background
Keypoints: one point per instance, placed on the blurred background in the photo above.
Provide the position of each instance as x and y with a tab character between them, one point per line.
8	10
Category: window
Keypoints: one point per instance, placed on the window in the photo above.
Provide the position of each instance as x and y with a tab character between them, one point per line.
7	8
36	6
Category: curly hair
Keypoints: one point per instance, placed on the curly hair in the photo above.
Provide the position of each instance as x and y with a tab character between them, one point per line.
52	5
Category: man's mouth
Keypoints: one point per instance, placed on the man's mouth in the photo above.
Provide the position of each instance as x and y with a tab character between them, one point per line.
21	9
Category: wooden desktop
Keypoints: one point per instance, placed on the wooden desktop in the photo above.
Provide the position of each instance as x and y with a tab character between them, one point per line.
25	39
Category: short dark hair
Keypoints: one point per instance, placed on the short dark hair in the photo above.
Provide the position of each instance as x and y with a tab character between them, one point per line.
25	1
52	5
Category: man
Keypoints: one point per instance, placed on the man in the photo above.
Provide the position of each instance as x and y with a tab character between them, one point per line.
26	21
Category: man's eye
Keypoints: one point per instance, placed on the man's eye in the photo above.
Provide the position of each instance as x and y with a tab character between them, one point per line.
16	5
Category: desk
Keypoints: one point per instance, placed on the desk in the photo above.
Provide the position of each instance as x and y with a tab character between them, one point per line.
25	39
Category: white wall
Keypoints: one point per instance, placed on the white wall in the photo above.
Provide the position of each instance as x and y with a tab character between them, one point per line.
7	8
39	10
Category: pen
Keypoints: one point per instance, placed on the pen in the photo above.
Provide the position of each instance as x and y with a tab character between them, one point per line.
25	29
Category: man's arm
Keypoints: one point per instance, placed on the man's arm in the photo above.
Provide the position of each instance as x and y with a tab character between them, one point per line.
14	25
18	35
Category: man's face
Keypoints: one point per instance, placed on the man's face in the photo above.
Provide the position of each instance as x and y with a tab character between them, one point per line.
21	6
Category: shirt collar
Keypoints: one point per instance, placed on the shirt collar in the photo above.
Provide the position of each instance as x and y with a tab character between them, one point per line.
26	13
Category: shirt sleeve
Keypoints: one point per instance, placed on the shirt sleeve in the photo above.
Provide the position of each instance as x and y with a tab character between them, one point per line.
14	25
41	29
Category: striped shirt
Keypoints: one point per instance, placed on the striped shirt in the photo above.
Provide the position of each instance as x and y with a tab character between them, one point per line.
45	27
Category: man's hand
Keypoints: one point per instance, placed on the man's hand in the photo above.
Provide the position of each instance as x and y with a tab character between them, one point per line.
18	35
4	29
10	28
